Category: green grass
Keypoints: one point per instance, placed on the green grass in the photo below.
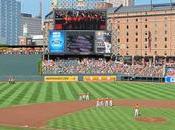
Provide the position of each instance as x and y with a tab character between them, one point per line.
115	118
27	93
23	93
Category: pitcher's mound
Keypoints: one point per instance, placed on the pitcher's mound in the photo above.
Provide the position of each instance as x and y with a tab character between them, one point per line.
151	119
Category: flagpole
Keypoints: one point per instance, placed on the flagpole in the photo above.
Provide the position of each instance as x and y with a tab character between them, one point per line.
171	4
151	4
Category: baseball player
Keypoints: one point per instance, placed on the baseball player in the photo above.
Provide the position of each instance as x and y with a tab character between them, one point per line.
87	97
98	102
136	110
84	97
106	102
110	102
102	102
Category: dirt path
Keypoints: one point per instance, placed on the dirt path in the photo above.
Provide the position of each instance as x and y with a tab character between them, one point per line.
37	115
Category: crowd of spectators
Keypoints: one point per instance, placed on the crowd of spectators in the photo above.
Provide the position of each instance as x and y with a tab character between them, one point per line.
98	66
20	51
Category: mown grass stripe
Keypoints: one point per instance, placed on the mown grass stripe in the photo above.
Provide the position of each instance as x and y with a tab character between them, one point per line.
14	89
71	91
114	88
4	88
21	95
9	100
29	93
95	88
86	89
49	92
142	93
124	89
161	90
35	94
152	91
61	91
56	96
42	95
111	92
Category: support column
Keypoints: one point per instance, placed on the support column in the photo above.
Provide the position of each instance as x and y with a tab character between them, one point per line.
154	60
132	60
143	60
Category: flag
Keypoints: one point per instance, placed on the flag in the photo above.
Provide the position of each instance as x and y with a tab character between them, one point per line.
149	40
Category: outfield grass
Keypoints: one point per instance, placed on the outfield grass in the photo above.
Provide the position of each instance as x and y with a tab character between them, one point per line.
26	93
115	118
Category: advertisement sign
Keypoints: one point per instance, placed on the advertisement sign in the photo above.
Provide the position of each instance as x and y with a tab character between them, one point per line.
60	78
99	78
103	42
56	41
169	79
170	75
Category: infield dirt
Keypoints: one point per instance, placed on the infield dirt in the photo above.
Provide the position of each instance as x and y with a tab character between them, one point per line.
37	115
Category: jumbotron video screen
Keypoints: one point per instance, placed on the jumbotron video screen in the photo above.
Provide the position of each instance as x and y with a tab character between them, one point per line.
80	20
80	42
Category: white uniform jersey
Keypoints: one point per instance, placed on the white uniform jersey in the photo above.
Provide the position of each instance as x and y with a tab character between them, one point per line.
110	103
106	103
97	103
87	97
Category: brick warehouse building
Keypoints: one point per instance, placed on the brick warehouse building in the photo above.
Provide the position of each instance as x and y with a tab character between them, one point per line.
145	32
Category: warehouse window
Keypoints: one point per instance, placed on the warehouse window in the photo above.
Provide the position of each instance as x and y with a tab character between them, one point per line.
136	39
136	26
155	45
136	46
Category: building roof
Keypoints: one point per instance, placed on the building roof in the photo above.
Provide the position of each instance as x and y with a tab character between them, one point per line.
141	8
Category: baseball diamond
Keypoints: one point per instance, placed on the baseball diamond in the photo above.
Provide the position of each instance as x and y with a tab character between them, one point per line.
39	98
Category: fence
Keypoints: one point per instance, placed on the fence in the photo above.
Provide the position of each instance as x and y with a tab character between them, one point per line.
82	77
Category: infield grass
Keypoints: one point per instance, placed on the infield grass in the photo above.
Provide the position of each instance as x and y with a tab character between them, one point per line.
115	118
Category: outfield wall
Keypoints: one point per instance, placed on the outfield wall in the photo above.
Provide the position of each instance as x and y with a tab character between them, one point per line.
86	78
19	64
23	78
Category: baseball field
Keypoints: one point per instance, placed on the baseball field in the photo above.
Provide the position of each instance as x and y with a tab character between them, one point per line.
42	105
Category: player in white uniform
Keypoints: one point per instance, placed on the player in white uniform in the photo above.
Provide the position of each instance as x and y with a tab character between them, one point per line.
98	102
87	97
136	111
84	97
106	102
110	102
102	102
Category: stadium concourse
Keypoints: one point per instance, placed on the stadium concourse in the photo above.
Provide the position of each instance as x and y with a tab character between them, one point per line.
99	66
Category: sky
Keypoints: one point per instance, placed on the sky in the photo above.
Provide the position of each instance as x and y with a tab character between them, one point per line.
32	6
